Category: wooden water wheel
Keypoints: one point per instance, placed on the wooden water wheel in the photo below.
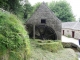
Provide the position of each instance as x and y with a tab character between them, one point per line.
42	32
45	33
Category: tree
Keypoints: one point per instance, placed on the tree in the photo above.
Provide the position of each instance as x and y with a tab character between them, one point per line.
62	10
3	3
10	5
36	6
27	10
22	10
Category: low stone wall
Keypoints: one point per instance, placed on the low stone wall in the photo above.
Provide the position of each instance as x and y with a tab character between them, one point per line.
70	45
66	44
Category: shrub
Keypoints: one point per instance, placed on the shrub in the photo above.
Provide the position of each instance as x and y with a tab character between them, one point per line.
69	36
14	41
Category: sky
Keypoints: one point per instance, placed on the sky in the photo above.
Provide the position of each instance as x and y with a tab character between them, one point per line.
75	5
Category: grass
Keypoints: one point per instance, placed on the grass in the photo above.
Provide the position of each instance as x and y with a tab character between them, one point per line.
38	53
65	54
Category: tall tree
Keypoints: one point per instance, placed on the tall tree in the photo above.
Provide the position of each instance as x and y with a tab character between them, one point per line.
14	5
36	6
29	10
3	3
62	10
22	10
10	5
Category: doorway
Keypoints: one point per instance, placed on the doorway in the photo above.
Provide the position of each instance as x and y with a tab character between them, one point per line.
73	34
63	32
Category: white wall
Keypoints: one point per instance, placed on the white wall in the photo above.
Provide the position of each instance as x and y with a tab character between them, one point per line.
77	34
68	32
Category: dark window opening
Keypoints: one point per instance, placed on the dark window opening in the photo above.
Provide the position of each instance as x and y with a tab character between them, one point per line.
43	21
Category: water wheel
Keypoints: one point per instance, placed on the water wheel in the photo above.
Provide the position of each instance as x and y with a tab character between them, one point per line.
42	32
45	33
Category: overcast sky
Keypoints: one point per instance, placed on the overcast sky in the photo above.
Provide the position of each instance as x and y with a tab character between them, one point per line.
75	4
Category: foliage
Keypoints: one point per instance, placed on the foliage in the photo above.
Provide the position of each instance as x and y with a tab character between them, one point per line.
13	37
3	3
11	5
62	10
36	6
15	7
22	10
27	10
32	9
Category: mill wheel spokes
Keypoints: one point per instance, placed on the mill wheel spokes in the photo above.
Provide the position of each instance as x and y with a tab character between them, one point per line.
45	32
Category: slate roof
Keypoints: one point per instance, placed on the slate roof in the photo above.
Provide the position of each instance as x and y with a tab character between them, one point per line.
71	25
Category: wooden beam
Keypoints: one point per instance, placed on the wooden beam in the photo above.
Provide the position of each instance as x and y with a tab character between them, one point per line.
34	31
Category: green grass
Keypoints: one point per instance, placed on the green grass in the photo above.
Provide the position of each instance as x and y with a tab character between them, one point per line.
14	40
65	54
40	51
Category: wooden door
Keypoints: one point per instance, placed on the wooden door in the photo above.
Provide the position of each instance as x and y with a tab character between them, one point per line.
73	34
63	32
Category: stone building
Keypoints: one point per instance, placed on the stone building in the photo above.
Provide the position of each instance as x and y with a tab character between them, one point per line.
43	24
71	29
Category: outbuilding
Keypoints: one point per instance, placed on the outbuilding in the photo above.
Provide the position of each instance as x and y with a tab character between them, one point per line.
43	24
71	29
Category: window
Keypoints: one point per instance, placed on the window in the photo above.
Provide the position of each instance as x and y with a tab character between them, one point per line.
43	21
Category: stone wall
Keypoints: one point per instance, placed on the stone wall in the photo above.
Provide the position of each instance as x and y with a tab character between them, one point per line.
68	33
77	34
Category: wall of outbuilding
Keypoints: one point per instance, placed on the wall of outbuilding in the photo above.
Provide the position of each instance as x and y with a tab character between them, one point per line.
68	33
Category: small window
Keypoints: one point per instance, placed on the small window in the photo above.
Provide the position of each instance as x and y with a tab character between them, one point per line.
43	21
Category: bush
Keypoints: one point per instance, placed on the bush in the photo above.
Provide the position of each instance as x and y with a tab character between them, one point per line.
14	41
